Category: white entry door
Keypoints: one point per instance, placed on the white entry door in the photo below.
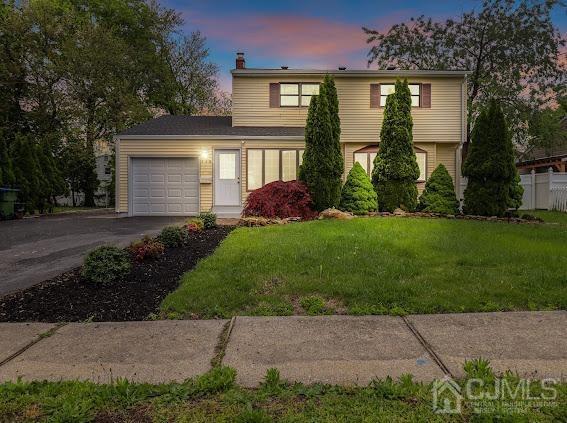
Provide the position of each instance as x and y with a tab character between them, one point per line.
227	177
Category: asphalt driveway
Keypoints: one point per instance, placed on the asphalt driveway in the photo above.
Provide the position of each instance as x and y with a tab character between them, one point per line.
33	250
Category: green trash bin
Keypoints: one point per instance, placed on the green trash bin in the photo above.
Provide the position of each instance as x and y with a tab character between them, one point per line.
8	198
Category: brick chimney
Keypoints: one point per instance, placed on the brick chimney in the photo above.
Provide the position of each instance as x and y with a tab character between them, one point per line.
240	62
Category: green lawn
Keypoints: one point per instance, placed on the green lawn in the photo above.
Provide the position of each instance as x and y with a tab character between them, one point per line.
215	397
378	265
549	216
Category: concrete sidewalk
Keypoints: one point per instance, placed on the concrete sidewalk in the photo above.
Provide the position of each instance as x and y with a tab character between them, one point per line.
329	349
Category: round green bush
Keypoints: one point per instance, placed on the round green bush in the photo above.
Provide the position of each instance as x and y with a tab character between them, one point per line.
358	195
173	236
106	264
209	219
439	193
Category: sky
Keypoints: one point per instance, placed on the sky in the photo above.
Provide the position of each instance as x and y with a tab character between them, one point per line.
320	34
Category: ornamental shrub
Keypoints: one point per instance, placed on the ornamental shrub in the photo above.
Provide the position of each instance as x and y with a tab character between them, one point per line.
280	199
395	166
146	248
358	195
323	162
489	166
195	225
209	219
439	193
173	236
106	264
516	192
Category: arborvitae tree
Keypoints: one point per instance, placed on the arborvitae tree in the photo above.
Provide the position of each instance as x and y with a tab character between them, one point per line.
6	168
489	166
439	193
323	164
26	171
358	195
395	166
51	181
516	192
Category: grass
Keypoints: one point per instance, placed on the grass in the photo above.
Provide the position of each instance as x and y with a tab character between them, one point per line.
379	266
549	216
215	397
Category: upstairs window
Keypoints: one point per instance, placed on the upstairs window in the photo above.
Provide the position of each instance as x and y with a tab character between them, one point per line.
387	89
297	94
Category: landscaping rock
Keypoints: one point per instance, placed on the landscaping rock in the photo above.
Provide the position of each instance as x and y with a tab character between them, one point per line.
335	214
399	212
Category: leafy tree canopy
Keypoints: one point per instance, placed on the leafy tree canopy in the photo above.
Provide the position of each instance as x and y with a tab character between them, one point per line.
511	47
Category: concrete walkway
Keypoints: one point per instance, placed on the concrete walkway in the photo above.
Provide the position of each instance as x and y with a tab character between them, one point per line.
329	349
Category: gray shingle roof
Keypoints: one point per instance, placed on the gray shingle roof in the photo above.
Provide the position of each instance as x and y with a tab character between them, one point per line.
206	125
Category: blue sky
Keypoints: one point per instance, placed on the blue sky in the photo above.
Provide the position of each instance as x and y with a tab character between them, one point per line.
322	34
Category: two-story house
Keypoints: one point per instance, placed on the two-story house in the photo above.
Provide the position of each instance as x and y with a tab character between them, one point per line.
180	165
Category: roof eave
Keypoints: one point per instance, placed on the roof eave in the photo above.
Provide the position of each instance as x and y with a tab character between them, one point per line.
351	73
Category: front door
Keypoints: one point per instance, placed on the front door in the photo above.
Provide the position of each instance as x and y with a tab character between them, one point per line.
227	177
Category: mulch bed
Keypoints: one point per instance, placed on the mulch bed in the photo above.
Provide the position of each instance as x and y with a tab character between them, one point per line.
69	298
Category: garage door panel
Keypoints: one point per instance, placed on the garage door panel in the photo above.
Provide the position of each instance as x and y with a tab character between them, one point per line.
165	186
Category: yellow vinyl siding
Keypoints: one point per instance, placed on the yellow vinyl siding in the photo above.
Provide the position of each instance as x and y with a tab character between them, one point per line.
442	123
170	148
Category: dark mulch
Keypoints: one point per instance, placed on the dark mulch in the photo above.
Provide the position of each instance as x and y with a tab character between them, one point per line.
69	298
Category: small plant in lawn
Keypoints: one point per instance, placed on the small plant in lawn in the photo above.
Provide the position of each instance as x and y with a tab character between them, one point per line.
218	379
280	199
272	381
146	248
106	264
439	193
173	236
209	219
195	225
314	305
358	195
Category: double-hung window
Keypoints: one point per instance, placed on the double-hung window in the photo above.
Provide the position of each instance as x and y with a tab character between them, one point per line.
297	94
271	164
387	89
365	156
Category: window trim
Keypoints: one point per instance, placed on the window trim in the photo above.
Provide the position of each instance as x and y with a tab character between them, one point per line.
420	84
280	167
299	94
377	147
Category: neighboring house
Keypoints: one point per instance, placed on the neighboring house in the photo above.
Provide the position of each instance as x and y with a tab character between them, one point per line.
180	165
541	159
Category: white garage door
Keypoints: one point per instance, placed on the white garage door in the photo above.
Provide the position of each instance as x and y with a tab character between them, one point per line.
165	186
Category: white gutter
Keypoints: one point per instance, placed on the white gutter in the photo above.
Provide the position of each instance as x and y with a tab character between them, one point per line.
211	137
354	72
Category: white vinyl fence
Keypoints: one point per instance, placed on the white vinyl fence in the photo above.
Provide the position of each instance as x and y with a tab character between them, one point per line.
546	191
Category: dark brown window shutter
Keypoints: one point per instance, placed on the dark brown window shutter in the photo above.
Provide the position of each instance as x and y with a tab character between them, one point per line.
426	95
374	96
274	94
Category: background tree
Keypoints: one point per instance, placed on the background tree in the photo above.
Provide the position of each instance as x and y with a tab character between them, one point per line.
6	167
194	77
490	165
548	128
27	172
511	47
358	195
439	193
395	166
323	164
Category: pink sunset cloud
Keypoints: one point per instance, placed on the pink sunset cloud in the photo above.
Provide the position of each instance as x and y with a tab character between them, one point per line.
295	40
